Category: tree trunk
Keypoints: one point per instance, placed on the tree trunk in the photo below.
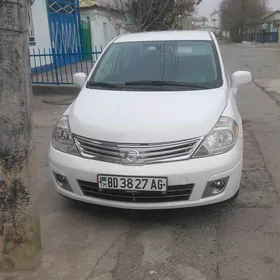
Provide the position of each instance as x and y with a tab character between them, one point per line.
20	242
235	34
232	34
241	34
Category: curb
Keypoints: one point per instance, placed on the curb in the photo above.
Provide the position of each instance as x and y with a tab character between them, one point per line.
48	90
273	93
248	43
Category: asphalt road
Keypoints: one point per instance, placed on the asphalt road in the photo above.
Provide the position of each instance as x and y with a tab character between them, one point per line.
239	240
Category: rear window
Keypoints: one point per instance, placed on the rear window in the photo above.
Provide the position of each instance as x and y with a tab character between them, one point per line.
187	62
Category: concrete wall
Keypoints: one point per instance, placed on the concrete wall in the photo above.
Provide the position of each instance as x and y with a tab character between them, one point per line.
41	31
104	25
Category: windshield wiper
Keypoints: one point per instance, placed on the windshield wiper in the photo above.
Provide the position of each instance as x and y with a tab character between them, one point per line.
103	85
164	83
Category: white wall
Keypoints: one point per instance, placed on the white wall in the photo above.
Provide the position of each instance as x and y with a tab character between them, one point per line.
103	24
41	30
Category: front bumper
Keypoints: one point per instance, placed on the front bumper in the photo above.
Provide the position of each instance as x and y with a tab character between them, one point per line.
195	171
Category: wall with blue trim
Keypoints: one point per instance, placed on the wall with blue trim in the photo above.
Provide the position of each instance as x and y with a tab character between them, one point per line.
41	31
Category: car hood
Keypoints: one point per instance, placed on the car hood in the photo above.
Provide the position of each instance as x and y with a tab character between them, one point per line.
146	117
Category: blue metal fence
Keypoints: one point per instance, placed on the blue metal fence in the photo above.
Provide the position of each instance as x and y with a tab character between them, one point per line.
51	68
265	37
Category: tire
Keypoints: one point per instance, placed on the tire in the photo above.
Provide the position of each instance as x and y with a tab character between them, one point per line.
234	197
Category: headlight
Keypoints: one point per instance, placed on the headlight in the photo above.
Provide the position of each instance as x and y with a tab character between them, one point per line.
221	139
62	139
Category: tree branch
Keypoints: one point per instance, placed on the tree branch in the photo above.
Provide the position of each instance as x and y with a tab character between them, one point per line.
148	15
160	13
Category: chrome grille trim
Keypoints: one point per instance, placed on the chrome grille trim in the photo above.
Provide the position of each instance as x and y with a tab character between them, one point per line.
149	153
173	193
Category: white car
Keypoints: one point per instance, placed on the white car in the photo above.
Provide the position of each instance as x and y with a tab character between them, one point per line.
155	126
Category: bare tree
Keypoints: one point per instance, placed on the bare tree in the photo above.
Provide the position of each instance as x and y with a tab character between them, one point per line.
236	15
214	20
204	20
20	242
183	9
145	15
186	6
141	15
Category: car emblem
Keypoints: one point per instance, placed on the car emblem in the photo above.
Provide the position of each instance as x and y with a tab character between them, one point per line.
132	155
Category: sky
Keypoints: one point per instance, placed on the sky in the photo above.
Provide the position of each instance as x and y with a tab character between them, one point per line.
208	6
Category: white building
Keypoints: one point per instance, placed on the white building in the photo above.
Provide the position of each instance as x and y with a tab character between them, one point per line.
39	33
105	21
207	26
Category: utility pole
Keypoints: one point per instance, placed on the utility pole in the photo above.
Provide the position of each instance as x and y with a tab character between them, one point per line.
20	242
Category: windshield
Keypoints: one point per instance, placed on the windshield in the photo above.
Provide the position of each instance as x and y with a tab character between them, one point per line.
160	65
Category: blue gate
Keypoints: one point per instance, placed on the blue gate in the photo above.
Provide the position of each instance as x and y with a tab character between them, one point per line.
264	37
44	73
64	23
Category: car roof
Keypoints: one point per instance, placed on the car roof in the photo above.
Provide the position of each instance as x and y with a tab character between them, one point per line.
177	35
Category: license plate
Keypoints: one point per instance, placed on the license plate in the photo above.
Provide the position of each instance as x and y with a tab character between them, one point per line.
132	183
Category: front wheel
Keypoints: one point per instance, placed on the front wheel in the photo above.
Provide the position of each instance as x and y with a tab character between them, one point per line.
234	197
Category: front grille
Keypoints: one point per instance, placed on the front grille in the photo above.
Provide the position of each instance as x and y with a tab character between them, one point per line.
137	154
174	193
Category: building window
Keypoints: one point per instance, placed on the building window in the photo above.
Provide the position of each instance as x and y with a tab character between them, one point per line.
105	32
31	27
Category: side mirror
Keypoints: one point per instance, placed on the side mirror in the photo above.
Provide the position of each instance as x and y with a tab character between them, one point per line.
240	78
79	79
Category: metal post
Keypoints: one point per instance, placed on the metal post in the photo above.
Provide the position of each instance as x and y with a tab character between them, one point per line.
77	6
55	56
